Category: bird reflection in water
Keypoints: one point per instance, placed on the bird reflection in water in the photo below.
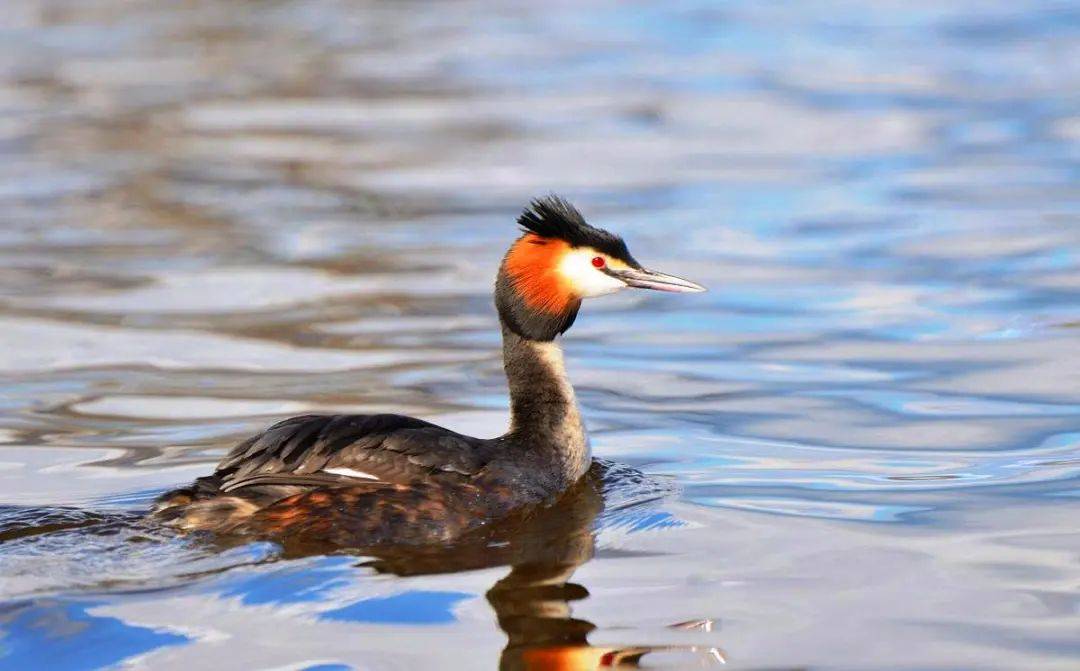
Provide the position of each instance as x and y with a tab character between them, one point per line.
533	602
533	607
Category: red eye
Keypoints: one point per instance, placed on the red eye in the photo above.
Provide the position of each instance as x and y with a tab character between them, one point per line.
598	262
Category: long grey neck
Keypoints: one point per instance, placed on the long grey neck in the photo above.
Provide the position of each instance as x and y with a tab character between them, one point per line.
544	415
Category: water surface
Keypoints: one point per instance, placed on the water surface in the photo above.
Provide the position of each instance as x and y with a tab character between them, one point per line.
217	214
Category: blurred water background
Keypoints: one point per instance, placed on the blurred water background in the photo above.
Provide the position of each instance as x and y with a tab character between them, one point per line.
217	213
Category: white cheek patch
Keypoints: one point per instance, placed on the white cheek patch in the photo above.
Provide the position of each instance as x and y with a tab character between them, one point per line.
351	473
589	281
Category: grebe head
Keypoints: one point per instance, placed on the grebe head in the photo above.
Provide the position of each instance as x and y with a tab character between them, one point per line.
560	260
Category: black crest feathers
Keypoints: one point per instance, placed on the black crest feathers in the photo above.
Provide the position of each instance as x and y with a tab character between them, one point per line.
554	217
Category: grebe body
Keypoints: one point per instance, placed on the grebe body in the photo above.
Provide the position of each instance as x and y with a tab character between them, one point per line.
375	480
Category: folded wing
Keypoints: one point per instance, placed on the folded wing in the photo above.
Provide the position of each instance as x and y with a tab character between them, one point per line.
346	450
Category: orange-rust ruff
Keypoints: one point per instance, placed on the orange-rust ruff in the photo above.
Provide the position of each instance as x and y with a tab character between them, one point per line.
533	266
376	480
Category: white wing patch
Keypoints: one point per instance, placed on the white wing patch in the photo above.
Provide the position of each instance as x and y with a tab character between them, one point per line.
351	473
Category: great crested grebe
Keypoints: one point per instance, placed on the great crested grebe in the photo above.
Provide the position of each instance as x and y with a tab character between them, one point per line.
372	480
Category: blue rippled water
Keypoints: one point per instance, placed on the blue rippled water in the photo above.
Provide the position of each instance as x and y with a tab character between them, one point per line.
862	445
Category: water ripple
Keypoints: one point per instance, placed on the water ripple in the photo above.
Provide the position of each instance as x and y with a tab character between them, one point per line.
861	444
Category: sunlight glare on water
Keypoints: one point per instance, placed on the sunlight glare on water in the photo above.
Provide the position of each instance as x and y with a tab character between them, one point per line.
865	439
